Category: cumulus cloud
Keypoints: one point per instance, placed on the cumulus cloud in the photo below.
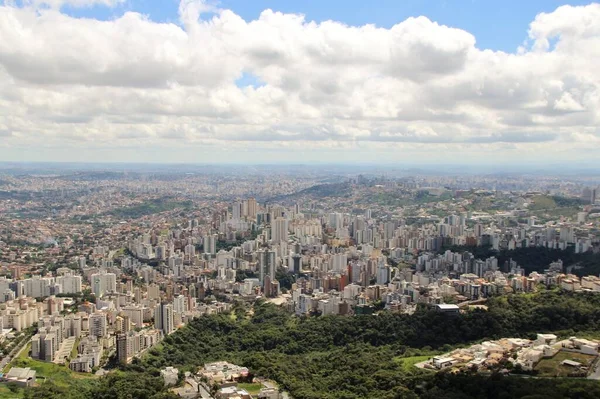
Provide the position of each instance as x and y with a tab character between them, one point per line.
57	4
418	82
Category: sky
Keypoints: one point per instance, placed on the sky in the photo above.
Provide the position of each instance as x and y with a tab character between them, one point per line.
279	81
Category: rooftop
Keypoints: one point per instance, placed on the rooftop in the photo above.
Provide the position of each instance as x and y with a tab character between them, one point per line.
18	373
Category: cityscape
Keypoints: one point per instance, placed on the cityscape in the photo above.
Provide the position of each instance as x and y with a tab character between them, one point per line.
229	199
100	268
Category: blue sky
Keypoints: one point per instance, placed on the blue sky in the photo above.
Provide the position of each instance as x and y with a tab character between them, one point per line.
497	25
100	84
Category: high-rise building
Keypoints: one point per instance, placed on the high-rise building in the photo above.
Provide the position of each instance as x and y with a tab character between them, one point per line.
37	287
279	230
103	282
122	354
69	284
135	314
163	318
336	220
252	208
179	304
153	291
297	263
98	325
210	244
237	210
137	295
339	262
267	264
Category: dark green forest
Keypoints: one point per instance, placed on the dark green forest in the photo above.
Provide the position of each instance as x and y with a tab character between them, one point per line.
538	258
149	208
360	357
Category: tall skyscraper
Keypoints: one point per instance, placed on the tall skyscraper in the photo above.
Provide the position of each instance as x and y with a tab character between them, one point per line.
163	318
122	341
336	220
237	211
267	264
98	325
179	303
339	262
252	208
279	230
297	263
210	244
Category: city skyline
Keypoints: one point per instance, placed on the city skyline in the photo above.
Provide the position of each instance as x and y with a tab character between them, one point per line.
299	82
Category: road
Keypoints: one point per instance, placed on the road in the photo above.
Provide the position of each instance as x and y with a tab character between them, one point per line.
204	392
473	302
15	352
595	374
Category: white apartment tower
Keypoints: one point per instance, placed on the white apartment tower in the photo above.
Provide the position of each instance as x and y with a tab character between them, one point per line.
103	282
279	230
210	244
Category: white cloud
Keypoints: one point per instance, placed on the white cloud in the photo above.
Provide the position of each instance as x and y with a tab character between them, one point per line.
75	81
57	4
567	103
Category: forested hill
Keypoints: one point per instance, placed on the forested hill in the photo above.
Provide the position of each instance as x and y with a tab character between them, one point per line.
538	258
352	357
337	357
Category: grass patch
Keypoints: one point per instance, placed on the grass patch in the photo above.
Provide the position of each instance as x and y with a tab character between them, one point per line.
60	375
23	355
252	389
555	213
74	350
149	208
409	362
552	367
25	352
542	202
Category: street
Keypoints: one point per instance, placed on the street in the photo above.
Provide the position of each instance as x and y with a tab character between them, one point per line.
15	352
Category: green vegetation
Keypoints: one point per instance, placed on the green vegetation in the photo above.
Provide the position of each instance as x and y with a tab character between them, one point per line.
308	356
409	362
252	389
551	207
10	391
387	199
149	208
568	202
241	275
285	278
390	198
555	213
62	376
542	202
227	245
552	367
425	197
538	258
116	385
335	357
74	351
327	190
464	385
